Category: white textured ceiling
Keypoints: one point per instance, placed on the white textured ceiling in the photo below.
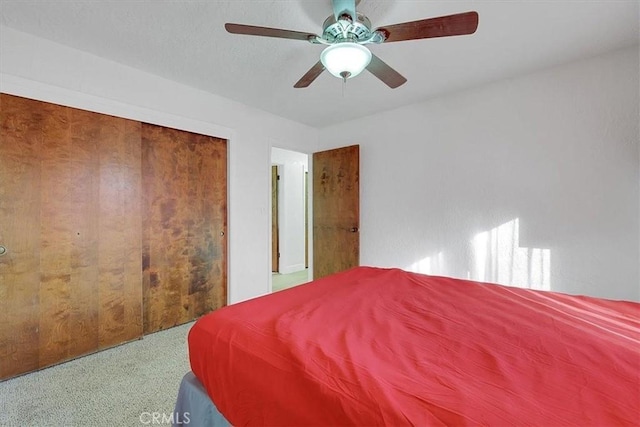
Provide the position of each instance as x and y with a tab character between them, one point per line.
185	41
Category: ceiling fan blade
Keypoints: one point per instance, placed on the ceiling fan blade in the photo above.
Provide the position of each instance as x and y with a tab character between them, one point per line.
252	30
443	26
342	7
388	75
310	76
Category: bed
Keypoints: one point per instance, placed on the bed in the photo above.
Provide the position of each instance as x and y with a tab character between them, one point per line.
373	346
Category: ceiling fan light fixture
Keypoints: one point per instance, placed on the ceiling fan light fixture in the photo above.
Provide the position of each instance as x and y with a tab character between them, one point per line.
346	59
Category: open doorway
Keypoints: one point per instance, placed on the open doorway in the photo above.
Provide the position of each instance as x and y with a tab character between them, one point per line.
290	218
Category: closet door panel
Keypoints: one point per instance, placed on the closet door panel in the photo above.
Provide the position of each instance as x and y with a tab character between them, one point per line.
69	235
21	137
165	166
70	189
207	234
120	228
184	226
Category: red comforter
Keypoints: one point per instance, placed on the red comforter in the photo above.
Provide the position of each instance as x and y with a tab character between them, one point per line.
386	347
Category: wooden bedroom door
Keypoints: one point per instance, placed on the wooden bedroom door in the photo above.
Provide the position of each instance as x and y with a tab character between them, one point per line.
336	210
69	217
184	241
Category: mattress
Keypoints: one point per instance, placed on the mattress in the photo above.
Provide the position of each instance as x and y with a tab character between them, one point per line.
374	346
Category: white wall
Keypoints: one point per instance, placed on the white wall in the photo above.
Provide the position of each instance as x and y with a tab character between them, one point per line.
291	168
533	181
47	71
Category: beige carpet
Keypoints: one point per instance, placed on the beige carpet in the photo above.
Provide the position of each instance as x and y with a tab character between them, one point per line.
122	386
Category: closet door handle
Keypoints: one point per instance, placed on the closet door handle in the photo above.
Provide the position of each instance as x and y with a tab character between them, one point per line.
353	229
3	250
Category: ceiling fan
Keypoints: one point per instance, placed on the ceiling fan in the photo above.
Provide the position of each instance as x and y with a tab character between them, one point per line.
346	33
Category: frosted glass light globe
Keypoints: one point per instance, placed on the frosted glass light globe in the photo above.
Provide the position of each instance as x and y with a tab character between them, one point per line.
345	60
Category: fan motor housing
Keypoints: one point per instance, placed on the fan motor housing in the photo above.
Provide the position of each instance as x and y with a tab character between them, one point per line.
345	29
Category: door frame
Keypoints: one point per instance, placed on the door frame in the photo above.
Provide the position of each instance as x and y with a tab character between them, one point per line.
309	228
275	218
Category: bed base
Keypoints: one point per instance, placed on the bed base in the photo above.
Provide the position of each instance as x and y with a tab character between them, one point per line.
194	407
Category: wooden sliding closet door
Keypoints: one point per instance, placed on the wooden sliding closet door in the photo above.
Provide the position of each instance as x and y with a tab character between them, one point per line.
90	264
20	193
119	231
184	226
70	219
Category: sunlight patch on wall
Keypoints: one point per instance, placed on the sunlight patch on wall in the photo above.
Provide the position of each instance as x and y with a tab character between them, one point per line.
429	265
498	258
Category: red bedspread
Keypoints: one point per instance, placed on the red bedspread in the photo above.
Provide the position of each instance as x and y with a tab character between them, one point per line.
386	347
